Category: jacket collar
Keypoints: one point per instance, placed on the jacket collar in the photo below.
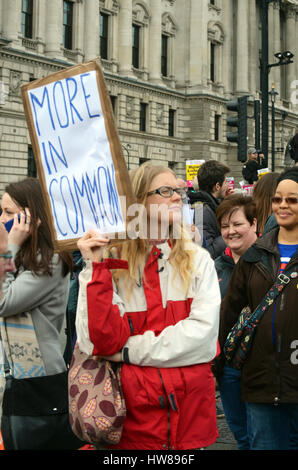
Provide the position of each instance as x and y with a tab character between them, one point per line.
267	243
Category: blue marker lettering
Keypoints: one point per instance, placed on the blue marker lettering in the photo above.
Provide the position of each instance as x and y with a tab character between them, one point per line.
46	158
34	100
92	189
87	96
66	207
81	192
53	206
61	155
59	100
71	98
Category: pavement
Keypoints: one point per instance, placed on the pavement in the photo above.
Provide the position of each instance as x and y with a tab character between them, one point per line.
226	440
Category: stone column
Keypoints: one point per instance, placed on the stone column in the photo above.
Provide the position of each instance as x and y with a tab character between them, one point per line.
91	39
242	48
227	74
198	45
155	42
125	38
290	46
254	71
11	13
54	29
40	22
276	47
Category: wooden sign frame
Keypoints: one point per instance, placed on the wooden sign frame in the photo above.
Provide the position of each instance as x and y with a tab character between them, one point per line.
121	172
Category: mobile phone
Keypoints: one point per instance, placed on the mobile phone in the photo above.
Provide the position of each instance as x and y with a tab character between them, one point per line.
9	224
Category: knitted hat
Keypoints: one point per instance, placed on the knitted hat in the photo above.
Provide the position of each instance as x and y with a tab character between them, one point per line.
289	174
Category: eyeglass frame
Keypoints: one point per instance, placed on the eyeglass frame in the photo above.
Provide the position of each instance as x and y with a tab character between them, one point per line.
179	191
7	255
278	200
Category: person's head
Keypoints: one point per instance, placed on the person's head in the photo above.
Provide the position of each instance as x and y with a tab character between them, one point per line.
252	154
36	252
153	187
212	178
195	183
285	200
182	184
236	218
263	191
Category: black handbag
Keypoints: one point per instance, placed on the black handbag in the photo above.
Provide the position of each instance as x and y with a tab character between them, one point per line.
35	413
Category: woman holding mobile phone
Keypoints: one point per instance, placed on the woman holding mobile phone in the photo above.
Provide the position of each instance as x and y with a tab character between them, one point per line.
38	286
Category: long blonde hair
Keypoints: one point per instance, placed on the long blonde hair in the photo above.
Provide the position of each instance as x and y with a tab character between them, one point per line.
136	251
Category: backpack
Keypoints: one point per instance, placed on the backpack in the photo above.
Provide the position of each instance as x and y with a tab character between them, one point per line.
246	173
72	306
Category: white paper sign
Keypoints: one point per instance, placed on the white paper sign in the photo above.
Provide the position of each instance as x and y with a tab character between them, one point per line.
76	156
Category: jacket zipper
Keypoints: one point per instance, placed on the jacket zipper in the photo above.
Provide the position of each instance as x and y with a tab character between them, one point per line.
277	398
168	408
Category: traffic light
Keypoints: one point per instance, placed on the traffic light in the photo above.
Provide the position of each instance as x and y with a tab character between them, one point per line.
239	121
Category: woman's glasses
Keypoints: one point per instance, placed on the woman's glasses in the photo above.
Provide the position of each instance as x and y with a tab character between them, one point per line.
167	191
289	200
7	255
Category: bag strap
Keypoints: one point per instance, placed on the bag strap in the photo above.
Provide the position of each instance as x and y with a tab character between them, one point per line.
282	280
6	365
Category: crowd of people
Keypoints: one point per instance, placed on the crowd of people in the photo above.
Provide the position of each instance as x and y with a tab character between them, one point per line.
163	305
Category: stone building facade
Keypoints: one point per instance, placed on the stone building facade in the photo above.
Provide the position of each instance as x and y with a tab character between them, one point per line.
170	67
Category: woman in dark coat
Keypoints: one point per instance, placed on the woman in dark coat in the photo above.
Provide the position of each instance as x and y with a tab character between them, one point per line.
269	379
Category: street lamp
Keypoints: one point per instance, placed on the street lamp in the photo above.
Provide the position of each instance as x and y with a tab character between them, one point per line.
126	147
284	58
273	93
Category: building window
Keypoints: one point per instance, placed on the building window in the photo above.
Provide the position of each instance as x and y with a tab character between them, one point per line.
171	122
172	165
31	163
143	117
104	31
136	46
212	62
143	160
27	18
216	40
67	24
164	55
114	104
216	126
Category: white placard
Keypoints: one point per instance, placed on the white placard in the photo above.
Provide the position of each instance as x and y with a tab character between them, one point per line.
76	156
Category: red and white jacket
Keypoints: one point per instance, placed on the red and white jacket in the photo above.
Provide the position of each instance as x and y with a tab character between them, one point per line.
168	338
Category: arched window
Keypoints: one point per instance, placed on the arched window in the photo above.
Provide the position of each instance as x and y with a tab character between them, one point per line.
140	38
215	41
169	28
108	11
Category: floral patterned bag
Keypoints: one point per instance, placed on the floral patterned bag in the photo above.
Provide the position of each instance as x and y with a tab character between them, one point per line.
96	404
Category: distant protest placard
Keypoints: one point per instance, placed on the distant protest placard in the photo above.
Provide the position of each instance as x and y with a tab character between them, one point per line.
78	153
192	167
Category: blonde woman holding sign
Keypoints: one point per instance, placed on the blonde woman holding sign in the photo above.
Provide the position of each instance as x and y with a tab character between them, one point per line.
155	308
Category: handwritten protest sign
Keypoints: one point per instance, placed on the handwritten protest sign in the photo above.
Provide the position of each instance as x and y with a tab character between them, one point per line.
77	152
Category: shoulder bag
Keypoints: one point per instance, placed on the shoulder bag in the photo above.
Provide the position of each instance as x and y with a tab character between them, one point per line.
96	404
35	405
240	338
